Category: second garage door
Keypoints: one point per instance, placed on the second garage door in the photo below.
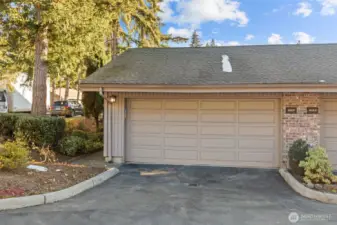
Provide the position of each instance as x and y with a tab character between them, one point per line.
203	132
329	129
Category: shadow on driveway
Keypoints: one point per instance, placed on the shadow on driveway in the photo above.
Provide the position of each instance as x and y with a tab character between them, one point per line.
161	194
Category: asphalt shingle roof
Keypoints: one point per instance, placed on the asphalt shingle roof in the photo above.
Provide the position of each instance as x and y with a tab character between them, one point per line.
264	64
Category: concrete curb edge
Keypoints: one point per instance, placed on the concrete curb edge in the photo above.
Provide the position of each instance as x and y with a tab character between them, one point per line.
307	192
34	200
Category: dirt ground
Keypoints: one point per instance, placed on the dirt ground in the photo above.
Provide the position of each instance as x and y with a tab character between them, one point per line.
23	182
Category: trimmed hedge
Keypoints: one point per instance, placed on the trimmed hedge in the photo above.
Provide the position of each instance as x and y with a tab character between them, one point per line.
80	142
72	145
92	146
43	131
37	130
8	124
40	130
96	136
80	133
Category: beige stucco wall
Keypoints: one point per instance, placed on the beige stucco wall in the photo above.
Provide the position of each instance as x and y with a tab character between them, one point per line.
292	126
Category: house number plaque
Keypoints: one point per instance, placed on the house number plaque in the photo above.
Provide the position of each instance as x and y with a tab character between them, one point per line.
291	110
312	110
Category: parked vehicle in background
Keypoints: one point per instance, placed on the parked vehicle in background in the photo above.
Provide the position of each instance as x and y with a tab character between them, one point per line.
3	102
68	108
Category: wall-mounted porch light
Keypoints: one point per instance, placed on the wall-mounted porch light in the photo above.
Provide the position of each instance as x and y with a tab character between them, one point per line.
110	99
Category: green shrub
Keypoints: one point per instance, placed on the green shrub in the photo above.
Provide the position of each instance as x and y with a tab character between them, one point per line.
317	167
72	145
80	133
71	124
7	124
40	130
93	146
297	152
79	123
14	155
96	136
82	126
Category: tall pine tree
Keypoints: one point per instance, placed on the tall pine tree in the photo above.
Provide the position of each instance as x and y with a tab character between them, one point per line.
195	40
44	33
213	43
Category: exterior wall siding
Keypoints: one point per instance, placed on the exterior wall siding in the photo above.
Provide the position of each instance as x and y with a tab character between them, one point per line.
293	126
114	119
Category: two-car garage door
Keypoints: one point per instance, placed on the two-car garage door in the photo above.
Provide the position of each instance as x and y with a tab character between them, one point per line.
203	132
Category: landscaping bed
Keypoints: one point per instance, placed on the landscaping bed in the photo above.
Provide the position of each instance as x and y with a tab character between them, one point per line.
310	166
25	182
329	188
49	142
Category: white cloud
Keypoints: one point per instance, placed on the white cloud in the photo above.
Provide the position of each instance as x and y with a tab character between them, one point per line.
304	38
167	13
183	32
304	9
275	39
196	12
328	7
249	37
222	43
232	43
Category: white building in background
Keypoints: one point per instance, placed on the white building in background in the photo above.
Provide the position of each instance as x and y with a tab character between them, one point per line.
20	99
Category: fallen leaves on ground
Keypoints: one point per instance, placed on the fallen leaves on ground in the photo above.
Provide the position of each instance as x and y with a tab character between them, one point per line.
23	182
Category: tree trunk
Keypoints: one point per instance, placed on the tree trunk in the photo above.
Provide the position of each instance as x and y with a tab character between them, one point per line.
142	38
39	105
97	123
60	97
114	41
52	97
66	92
78	85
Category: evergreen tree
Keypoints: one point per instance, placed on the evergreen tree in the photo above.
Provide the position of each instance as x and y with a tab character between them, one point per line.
47	38
213	43
93	102
195	42
59	30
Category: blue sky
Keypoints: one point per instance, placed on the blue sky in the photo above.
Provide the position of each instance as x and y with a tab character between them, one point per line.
250	22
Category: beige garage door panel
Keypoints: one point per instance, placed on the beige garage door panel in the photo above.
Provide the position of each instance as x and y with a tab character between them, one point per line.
218	130
151	128
260	131
146	104
145	115
217	117
176	104
265	157
181	154
329	129
216	105
139	153
181	129
219	156
208	132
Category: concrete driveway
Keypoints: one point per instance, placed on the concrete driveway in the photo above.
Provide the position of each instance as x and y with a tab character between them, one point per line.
181	195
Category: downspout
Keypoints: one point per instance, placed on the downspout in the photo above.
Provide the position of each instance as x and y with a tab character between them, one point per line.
111	99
